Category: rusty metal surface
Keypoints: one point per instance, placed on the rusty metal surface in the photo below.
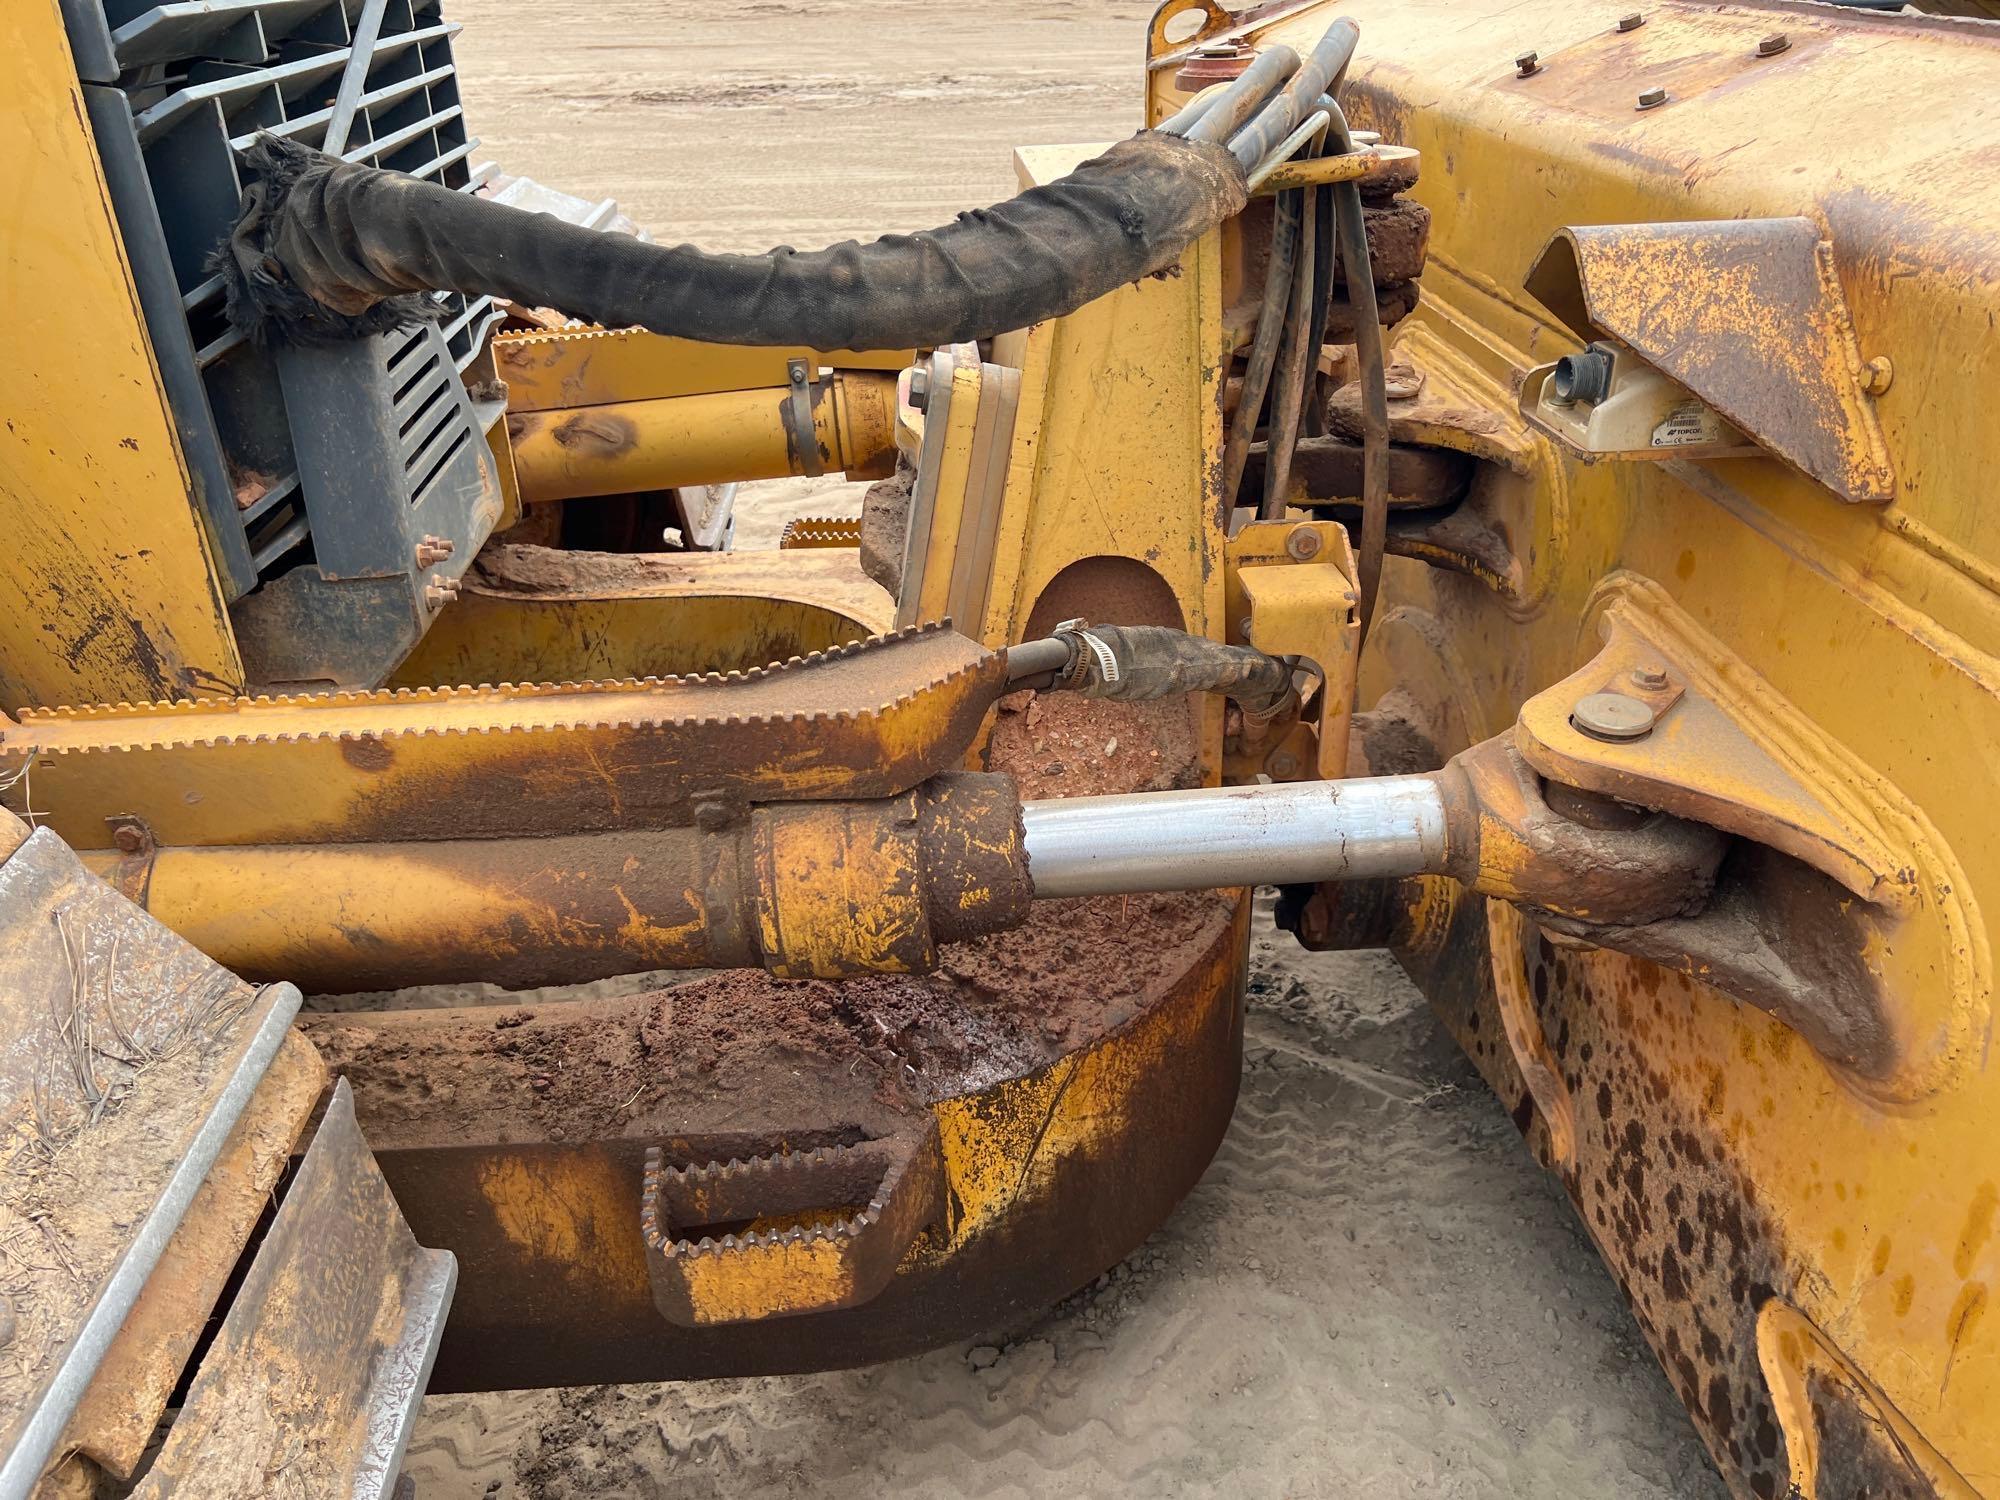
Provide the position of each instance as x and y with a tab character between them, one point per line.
1078	1076
310	1388
864	720
814	1231
114	1426
125	1062
1746	313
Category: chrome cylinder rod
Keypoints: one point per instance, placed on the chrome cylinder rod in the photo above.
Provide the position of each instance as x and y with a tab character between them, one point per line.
1292	832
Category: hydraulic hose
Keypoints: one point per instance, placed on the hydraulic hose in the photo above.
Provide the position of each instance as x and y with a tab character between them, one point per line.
325	250
1297	99
1353	224
1227	112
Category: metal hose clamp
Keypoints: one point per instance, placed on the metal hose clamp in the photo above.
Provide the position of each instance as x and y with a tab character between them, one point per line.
1082	640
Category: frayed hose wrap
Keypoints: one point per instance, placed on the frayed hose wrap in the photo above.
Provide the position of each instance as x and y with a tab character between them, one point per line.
1137	663
325	250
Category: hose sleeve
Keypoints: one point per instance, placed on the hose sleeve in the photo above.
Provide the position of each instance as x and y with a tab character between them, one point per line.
325	250
1141	662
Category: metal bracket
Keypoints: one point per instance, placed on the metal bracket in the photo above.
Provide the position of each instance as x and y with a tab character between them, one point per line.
1290	592
801	377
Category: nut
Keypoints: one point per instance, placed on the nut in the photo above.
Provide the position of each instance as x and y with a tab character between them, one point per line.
1650	675
1303	544
1528	64
1773	44
1631	22
1653	97
1613	717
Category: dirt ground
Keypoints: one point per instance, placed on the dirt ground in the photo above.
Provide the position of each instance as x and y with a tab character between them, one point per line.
1373	1291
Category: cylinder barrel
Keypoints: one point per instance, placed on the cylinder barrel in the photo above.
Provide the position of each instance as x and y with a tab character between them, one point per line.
1291	833
628	447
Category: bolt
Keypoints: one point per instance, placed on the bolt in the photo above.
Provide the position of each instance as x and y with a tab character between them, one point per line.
1653	97
1527	65
798	373
1283	765
1877	374
711	817
920	388
1613	716
1650	676
1773	44
441	590
433	549
1303	543
1243	627
1632	22
129	837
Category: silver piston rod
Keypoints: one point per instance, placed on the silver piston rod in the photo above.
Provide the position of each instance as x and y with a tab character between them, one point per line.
1213	837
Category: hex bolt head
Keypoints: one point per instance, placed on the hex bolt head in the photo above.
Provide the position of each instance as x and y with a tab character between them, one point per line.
1773	44
1613	716
129	838
1649	675
920	388
1283	764
1303	544
1652	98
1631	22
1877	375
433	549
1527	65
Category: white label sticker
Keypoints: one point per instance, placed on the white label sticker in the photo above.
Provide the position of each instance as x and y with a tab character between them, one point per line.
1688	424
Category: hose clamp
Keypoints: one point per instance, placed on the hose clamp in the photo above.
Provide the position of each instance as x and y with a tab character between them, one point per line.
1082	640
799	417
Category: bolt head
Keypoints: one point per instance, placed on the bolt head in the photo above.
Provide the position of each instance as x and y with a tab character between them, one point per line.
920	388
1631	22
1613	717
1652	98
1650	676
1283	765
1528	64
1303	544
1877	375
1773	44
711	817
128	838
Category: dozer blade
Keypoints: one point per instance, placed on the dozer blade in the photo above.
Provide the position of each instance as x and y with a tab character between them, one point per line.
312	1385
125	1059
150	1100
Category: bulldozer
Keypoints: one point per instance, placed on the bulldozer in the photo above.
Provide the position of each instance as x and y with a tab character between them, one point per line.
1478	469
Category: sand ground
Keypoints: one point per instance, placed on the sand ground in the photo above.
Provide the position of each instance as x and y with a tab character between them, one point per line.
1373	1292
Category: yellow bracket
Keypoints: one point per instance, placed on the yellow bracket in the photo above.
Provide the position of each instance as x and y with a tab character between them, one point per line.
1290	591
